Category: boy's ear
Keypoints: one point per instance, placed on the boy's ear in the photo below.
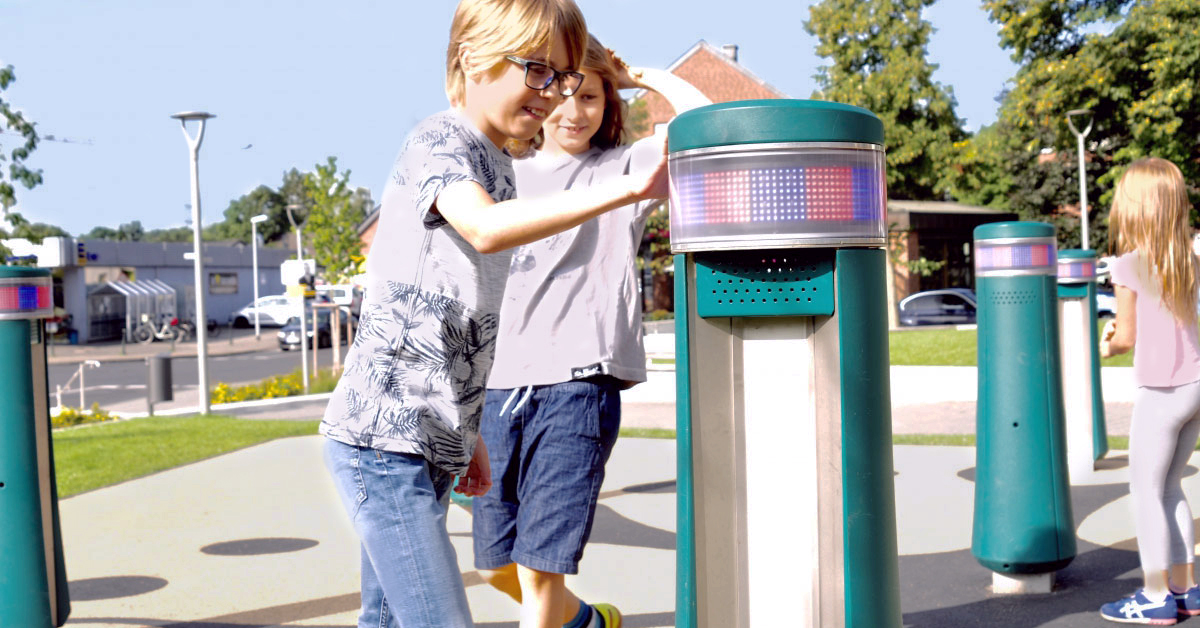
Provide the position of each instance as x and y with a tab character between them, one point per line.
467	59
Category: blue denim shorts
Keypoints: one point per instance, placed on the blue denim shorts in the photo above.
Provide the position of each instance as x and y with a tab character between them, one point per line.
547	446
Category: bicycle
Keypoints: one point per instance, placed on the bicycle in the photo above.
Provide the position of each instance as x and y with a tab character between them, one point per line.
187	329
147	332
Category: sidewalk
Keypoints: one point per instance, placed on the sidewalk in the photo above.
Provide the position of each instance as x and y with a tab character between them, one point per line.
257	538
229	342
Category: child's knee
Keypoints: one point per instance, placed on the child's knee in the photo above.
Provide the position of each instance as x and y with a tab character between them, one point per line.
535	580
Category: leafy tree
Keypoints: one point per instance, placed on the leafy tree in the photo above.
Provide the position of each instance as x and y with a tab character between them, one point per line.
262	200
1047	29
173	234
17	172
100	233
332	222
131	232
269	202
1139	79
36	231
877	60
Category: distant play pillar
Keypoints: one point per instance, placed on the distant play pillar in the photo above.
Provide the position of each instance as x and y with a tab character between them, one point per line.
33	582
777	219
1023	530
1083	399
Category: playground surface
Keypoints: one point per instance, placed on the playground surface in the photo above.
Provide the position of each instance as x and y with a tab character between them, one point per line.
257	538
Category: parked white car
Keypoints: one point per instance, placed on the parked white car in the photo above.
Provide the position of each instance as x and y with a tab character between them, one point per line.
345	295
342	294
273	311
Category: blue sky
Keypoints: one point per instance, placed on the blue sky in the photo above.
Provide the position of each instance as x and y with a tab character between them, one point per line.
294	81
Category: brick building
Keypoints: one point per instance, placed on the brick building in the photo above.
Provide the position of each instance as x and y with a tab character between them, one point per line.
716	73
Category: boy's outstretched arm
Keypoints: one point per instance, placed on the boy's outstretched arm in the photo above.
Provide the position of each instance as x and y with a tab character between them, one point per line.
491	227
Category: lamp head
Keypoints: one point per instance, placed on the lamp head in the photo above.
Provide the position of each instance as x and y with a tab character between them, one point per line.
259	218
192	115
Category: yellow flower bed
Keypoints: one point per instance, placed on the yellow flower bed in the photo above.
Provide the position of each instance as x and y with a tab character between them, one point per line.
275	387
68	416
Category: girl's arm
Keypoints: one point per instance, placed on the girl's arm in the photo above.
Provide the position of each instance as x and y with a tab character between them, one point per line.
681	94
492	227
1121	334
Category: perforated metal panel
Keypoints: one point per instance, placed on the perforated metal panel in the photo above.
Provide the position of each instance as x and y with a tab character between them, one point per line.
1013	297
764	283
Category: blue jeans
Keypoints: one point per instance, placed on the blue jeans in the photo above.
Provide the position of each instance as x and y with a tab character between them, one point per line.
397	502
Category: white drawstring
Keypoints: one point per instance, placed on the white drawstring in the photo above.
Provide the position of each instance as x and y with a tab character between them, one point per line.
509	400
528	392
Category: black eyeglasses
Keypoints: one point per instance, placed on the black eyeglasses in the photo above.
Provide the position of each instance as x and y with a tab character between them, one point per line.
539	76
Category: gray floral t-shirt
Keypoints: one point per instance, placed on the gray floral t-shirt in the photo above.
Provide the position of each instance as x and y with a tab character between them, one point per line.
414	378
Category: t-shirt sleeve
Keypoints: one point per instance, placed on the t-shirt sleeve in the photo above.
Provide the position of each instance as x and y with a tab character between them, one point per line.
1124	273
434	159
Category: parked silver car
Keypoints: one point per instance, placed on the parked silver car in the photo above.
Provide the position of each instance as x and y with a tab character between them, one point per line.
950	306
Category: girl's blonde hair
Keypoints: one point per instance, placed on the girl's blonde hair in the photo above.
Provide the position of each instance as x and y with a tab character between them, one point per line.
597	59
1151	214
492	29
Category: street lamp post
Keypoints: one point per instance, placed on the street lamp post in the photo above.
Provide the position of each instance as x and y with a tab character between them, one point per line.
254	260
303	324
1083	200
197	241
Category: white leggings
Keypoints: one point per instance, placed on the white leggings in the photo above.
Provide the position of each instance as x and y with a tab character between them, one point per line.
1162	436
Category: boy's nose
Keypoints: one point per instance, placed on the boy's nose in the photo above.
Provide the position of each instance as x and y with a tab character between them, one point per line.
553	91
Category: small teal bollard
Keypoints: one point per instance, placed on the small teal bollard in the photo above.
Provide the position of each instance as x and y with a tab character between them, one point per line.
1083	397
33	582
1023	529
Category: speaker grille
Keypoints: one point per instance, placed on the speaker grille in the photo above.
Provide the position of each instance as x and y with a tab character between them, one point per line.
764	283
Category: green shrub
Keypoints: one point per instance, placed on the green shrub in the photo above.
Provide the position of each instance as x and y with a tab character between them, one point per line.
658	315
68	416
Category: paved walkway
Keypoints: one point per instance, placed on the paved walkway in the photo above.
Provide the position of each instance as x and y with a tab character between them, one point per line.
256	537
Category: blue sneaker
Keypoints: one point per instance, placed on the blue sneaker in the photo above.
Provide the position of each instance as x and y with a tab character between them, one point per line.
1138	609
1188	602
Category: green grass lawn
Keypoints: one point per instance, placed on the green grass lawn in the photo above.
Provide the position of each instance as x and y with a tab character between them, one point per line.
92	456
950	347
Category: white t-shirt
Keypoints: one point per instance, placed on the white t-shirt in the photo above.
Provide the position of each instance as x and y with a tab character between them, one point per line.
572	308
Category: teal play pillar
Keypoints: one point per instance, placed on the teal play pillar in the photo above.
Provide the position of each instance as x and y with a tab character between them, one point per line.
33	582
778	224
1023	523
1083	397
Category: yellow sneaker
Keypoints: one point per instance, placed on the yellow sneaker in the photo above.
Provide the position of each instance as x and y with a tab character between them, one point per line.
610	615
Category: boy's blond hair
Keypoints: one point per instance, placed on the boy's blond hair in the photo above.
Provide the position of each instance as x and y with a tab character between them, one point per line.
1151	213
494	28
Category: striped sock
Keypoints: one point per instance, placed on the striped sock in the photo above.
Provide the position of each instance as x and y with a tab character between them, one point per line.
583	618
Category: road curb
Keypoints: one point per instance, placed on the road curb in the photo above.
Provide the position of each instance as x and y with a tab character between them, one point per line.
116	357
239	405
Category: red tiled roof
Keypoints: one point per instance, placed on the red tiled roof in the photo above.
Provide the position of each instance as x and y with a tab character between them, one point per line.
717	76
